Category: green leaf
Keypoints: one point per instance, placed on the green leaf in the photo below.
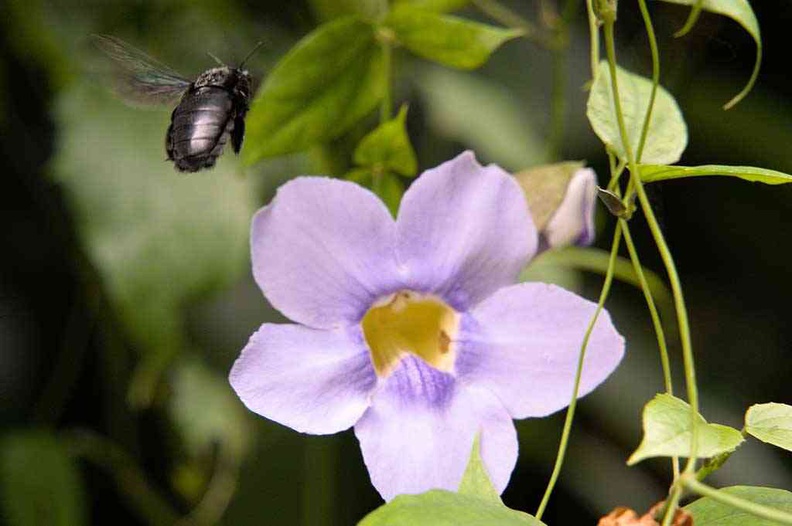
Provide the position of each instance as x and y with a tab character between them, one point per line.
386	185
206	411
440	6
40	483
597	260
544	270
667	135
653	173
444	508
475	480
707	511
157	239
329	81
449	40
741	12
481	114
388	147
771	423
667	432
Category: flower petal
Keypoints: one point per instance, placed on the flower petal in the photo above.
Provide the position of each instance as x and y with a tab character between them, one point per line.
419	432
323	250
464	230
523	342
314	381
573	221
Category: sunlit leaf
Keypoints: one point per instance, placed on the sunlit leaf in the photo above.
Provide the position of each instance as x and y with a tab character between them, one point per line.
667	135
741	12
707	511
771	423
444	508
39	481
156	238
653	173
385	184
667	432
440	6
388	147
475	480
449	40
330	80
482	115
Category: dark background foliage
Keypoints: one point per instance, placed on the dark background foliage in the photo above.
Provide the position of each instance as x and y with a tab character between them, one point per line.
68	350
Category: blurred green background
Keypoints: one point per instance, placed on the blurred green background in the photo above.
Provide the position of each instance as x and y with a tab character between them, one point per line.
125	288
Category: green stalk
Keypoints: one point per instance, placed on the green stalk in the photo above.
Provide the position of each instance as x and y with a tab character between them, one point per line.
668	261
219	492
713	464
570	414
656	322
650	34
593	37
747	506
691	20
151	507
655	76
616	172
650	303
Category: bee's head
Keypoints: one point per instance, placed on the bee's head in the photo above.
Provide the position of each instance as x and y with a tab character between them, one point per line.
243	82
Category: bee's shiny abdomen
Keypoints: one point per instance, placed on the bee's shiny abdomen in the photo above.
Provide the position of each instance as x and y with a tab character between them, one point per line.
200	127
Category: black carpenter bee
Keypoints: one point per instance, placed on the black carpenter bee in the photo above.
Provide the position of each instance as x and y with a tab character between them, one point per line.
211	109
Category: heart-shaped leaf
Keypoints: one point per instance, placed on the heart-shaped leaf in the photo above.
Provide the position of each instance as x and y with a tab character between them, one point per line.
667	134
771	423
667	432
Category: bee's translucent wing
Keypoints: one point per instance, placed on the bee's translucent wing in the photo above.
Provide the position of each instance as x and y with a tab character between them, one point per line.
139	78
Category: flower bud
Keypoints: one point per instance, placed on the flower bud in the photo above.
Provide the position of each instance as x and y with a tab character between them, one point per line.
561	198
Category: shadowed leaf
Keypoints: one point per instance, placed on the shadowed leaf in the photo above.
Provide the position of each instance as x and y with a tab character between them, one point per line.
40	483
329	81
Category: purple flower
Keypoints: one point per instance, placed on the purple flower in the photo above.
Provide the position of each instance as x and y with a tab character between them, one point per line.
413	330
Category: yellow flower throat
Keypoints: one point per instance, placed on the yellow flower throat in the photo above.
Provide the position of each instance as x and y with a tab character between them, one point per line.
409	322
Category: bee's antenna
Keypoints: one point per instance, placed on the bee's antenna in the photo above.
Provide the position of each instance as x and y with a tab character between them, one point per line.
256	48
220	62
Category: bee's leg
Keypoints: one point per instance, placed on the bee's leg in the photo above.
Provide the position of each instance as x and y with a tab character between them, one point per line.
238	133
